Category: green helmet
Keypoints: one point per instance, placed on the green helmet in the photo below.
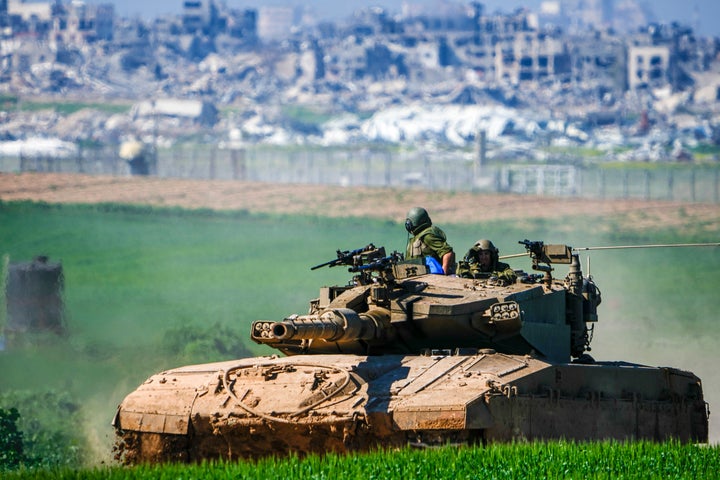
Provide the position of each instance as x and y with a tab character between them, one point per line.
417	219
484	244
481	245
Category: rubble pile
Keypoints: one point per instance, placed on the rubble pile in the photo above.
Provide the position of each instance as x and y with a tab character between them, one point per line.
372	79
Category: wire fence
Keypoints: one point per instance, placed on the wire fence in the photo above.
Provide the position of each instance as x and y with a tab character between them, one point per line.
442	171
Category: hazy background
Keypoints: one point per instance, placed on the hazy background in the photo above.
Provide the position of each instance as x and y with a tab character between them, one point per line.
702	15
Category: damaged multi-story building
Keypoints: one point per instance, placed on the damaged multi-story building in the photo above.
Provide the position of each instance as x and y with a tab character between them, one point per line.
511	49
74	22
572	59
455	40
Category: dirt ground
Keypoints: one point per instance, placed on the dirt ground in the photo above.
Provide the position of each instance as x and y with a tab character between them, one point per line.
337	201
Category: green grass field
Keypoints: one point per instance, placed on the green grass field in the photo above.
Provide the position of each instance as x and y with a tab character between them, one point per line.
512	462
151	289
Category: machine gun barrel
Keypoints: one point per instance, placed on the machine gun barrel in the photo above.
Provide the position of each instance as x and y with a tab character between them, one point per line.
379	264
336	325
346	257
533	247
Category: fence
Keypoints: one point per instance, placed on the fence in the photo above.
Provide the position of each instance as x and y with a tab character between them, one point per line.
449	171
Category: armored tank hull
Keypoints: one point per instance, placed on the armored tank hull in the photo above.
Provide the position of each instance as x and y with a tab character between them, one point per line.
401	357
339	403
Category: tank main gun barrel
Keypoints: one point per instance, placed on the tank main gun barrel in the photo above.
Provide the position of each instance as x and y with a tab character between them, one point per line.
336	325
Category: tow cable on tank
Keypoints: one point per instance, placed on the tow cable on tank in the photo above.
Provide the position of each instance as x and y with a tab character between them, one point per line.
227	383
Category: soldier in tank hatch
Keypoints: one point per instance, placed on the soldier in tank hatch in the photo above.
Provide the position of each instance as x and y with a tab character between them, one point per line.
428	242
482	261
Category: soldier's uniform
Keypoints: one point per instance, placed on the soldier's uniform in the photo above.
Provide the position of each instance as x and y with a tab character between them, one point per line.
427	239
470	266
428	242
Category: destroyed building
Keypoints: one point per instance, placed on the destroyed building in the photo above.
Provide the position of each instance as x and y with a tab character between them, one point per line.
74	22
579	73
457	40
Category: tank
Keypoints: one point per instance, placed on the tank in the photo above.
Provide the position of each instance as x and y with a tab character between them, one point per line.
401	357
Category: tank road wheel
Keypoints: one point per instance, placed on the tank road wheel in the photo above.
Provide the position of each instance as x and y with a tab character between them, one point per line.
133	448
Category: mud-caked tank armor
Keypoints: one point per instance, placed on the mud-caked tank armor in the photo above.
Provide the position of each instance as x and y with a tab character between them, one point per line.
399	356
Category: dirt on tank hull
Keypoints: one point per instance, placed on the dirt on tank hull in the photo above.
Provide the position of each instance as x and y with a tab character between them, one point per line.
402	357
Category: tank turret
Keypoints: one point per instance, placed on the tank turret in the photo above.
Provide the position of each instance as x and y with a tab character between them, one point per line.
394	306
402	356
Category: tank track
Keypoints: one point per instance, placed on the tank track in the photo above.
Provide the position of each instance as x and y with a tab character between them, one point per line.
134	448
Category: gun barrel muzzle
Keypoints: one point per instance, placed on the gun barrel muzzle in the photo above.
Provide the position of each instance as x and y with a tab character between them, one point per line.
326	327
334	325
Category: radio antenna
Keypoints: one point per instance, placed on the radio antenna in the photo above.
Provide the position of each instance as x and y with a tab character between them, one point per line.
663	245
620	247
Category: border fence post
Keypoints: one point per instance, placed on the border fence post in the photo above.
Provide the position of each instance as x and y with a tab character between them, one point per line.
626	184
692	184
79	159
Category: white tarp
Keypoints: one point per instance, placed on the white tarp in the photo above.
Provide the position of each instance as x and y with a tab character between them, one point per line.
38	147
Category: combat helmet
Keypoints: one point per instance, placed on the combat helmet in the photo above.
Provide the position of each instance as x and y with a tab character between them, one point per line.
484	244
417	219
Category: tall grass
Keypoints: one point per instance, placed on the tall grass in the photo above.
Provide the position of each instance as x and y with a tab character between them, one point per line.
512	462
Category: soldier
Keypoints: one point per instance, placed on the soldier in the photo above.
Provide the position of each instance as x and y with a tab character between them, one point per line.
481	261
428	241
